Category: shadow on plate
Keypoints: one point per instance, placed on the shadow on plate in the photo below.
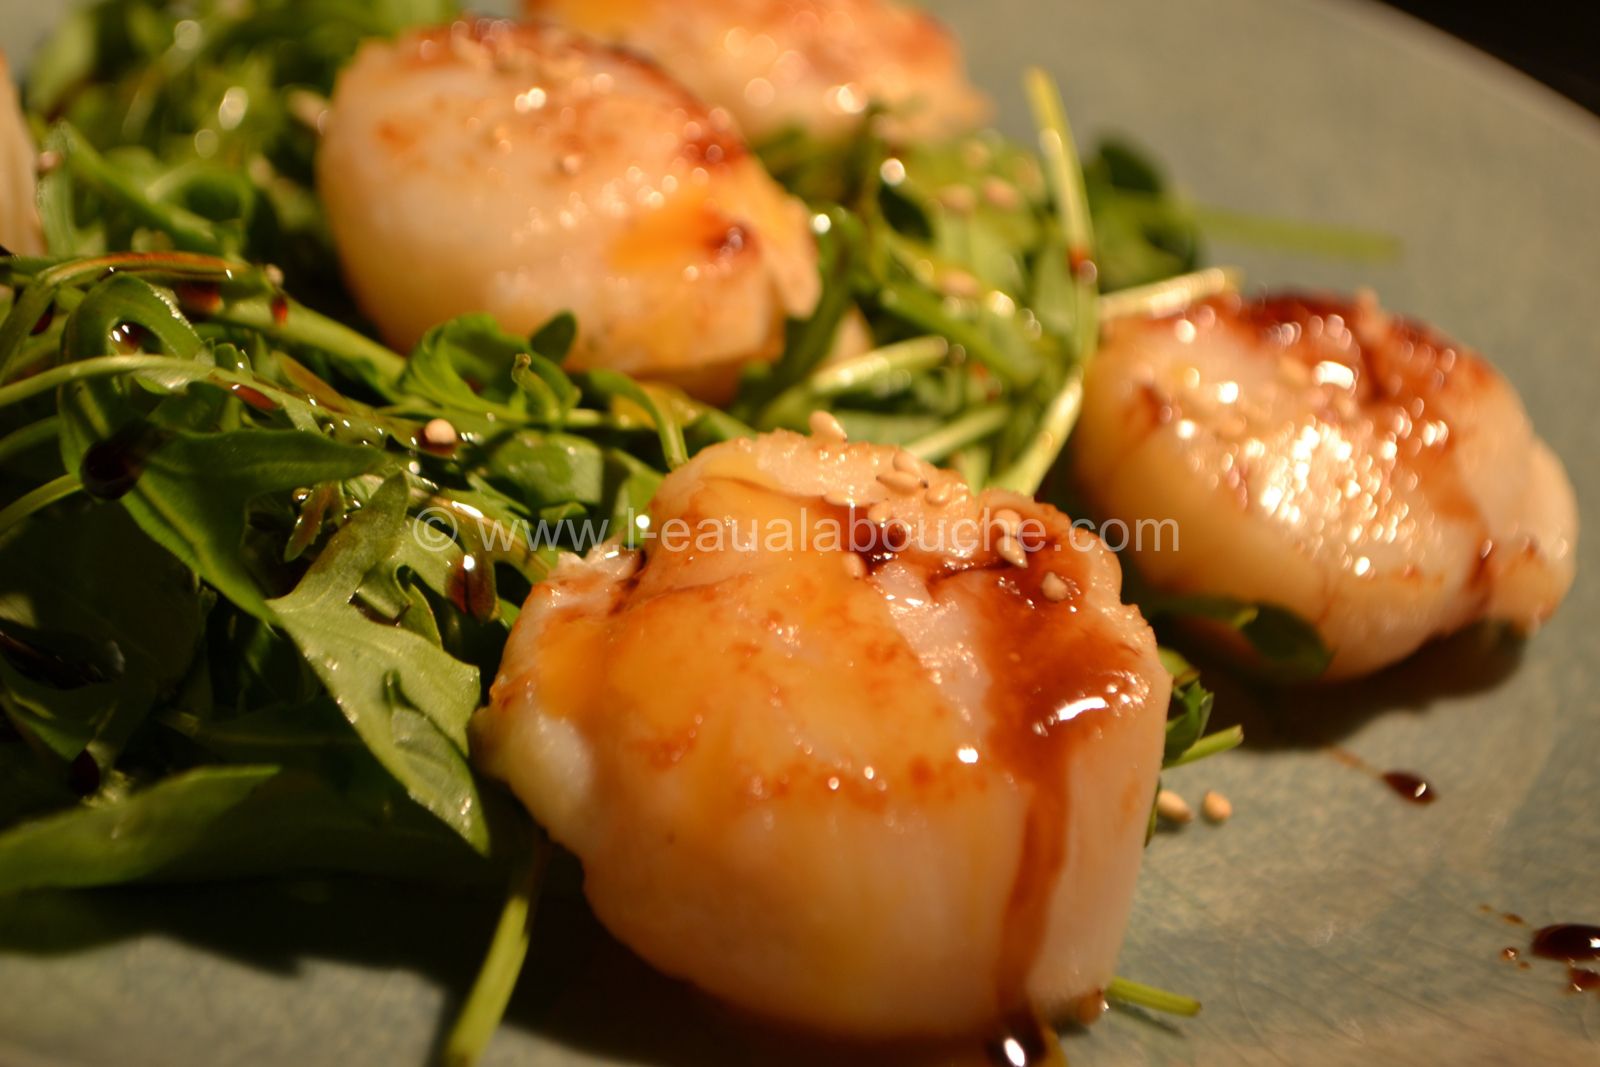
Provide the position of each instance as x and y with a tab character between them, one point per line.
580	989
1473	660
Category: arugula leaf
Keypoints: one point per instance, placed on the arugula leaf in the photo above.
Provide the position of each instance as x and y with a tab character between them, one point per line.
122	842
497	977
227	822
407	698
610	386
145	611
191	492
807	341
468	363
30	787
1193	703
1289	647
539	470
555	338
549	389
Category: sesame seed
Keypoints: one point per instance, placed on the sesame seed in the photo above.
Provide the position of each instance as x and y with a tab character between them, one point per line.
878	513
1217	808
940	494
438	434
823	424
1001	193
1054	589
1090	1007
958	198
1012	552
905	461
1173	808
900	481
854	566
961	284
1008	520
838	500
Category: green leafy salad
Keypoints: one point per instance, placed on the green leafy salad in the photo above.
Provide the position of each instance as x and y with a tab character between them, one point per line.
224	650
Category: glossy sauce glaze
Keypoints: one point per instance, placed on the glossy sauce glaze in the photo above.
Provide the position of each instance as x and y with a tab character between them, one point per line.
1320	454
780	66
947	756
111	467
522	170
1568	943
1407	785
1572	942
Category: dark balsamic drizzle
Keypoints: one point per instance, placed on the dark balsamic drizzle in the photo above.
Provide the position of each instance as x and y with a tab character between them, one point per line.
254	397
130	337
111	467
199	298
83	774
58	671
1570	942
1410	787
1583	979
1407	785
471	587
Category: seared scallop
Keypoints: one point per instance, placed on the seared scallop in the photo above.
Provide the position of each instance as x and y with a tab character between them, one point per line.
815	65
845	743
524	171
1361	470
19	217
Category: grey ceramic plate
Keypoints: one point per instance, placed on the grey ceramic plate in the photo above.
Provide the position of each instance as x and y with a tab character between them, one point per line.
1328	922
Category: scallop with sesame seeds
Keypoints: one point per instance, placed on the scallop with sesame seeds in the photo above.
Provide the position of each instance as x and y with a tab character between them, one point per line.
779	65
880	785
524	171
1323	456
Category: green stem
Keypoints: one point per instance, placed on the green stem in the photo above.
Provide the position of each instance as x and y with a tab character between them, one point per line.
491	992
973	463
295	323
1319	238
1028	471
1064	175
1122	991
720	424
188	231
926	310
1209	745
973	426
35	297
917	354
31	436
102	367
1169	295
38	499
790	407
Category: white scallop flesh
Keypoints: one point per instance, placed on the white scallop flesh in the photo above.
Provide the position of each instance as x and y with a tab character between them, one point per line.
524	171
1319	454
19	215
816	65
900	791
